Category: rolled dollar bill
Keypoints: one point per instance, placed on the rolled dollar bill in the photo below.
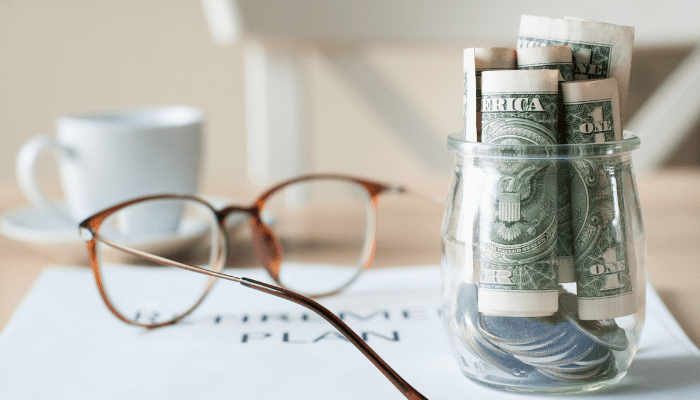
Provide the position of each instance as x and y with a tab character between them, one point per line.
519	106
600	50
548	57
477	60
517	223
558	58
604	284
592	111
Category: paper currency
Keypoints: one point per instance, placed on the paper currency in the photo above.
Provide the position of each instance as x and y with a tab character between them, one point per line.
558	58
603	277
600	50
477	60
519	106
592	111
539	350
517	217
548	57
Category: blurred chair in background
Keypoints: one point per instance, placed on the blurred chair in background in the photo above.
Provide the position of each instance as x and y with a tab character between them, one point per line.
278	33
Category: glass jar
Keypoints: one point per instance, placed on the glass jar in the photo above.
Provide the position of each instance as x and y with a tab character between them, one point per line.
543	264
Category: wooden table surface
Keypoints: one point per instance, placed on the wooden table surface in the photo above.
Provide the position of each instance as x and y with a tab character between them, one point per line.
409	234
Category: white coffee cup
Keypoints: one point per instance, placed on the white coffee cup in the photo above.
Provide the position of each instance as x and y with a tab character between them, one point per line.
108	158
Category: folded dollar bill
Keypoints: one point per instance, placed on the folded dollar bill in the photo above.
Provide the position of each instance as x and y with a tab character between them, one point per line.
517	216
477	60
600	50
604	283
560	59
592	111
543	222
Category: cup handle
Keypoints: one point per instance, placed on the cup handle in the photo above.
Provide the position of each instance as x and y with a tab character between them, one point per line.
25	169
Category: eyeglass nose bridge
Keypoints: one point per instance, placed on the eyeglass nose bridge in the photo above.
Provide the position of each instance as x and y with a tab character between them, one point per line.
267	246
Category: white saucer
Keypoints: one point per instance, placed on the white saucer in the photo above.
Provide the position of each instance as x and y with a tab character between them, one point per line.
28	224
58	237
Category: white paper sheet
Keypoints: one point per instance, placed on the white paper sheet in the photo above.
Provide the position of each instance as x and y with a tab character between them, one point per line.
63	343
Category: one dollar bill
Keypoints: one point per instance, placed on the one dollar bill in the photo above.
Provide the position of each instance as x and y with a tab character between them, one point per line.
560	59
477	60
517	217
591	111
600	50
604	283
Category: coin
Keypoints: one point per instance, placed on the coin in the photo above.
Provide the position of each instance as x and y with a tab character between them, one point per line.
578	376
560	344
517	330
583	372
533	346
467	310
609	368
580	350
560	347
605	332
467	315
497	358
571	368
597	356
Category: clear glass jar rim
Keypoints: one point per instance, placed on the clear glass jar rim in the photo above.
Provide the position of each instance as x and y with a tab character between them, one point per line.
629	142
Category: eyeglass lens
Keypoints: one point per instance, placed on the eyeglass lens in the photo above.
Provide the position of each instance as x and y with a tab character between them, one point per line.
176	229
324	229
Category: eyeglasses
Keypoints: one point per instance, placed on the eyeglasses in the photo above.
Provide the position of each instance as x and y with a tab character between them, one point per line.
316	225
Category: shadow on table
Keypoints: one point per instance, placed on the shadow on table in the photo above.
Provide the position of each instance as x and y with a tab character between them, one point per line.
657	375
674	303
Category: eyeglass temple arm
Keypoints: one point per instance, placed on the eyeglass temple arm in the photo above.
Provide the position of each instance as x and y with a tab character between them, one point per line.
403	386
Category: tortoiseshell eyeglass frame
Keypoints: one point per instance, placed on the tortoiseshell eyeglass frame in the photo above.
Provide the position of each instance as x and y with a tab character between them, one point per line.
269	253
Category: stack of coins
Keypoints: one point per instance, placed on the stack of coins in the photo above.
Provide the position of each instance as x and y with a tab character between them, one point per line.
560	347
467	316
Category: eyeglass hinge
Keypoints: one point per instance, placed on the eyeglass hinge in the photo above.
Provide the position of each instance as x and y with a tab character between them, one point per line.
86	234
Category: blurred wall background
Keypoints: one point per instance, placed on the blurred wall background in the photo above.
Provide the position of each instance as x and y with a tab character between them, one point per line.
64	57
